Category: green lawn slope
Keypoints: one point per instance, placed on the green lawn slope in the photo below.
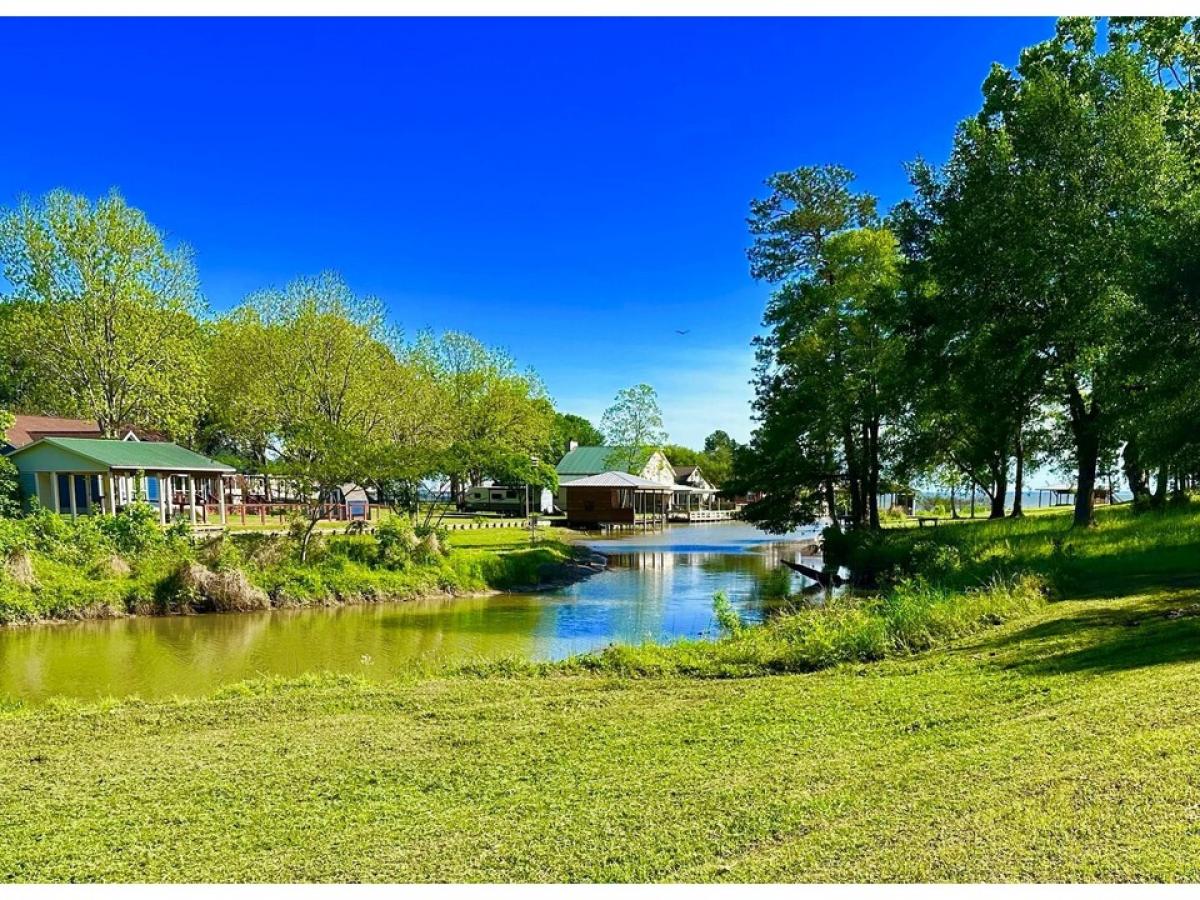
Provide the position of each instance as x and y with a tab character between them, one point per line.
1059	745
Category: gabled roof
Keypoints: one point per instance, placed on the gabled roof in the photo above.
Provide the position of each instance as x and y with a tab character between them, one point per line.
148	455
594	460
683	473
618	480
27	429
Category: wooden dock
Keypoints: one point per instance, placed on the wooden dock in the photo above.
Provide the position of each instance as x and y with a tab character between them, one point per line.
702	515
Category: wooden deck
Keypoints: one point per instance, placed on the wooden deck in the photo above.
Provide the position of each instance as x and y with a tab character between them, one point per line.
702	515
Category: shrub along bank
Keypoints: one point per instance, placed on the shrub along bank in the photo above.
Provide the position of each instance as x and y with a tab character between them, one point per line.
52	567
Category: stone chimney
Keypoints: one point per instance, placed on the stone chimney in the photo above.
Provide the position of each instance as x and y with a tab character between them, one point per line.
574	445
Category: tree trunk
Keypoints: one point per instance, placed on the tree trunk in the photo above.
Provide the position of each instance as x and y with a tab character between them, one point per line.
1088	453
308	533
953	504
873	475
852	476
1085	427
1000	484
1160	489
1019	477
830	500
1138	478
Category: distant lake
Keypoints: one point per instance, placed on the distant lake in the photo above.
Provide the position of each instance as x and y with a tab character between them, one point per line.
658	587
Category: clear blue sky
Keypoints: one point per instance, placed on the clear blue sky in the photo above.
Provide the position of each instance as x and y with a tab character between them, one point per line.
571	190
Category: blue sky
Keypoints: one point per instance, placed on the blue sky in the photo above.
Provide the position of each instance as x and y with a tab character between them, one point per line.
574	191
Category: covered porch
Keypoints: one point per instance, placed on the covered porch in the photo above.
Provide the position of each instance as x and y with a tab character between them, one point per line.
699	504
78	476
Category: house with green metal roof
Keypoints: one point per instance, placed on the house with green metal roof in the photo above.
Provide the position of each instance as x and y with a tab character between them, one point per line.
80	476
645	462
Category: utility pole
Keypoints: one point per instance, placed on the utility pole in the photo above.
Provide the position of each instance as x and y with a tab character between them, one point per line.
528	513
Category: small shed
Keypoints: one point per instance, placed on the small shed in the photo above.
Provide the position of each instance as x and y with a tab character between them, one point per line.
615	498
80	476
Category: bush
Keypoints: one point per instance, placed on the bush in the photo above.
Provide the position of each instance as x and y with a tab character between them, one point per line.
727	617
133	530
932	560
111	566
222	554
10	496
265	551
397	540
911	617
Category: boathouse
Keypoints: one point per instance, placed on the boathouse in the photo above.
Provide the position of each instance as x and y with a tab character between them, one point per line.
615	498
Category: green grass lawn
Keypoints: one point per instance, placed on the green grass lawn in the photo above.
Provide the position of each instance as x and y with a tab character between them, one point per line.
1058	746
508	538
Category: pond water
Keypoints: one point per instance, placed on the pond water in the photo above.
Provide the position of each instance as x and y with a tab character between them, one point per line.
658	587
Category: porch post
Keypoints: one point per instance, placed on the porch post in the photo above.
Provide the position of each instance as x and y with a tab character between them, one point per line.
54	491
164	485
191	483
71	494
111	491
221	497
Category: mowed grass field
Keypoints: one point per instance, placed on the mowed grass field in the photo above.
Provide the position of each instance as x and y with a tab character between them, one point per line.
1058	747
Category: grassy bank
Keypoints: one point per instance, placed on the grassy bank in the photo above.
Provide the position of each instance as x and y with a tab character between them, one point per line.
1037	727
510	538
1060	747
1125	552
55	568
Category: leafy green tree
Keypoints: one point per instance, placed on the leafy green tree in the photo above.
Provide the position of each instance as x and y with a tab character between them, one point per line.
719	448
715	461
678	455
17	374
1169	49
497	417
633	425
1088	171
1160	353
10	500
570	427
975	378
306	375
829	320
411	445
106	314
719	441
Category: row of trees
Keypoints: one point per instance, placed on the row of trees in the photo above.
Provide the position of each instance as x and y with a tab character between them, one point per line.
309	382
1036	300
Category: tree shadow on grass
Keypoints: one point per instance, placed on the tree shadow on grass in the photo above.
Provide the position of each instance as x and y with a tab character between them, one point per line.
1160	630
1131	579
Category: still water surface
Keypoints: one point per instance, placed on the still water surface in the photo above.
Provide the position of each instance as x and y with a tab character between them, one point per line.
658	587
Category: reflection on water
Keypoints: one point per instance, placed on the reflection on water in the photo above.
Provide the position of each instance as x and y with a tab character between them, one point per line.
658	587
